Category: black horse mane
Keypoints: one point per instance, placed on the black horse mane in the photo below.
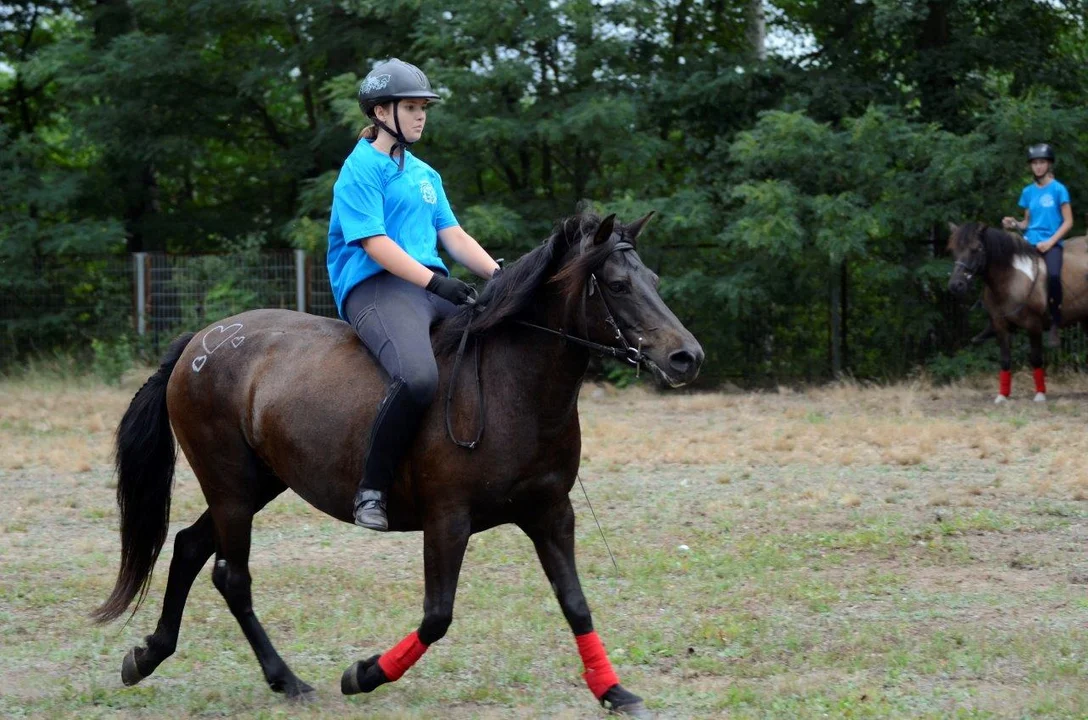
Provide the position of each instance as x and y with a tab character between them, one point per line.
1001	247
565	259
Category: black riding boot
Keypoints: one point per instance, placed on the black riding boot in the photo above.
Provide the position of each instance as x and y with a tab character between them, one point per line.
1055	299
392	435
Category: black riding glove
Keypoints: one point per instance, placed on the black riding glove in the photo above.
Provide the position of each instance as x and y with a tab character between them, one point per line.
451	289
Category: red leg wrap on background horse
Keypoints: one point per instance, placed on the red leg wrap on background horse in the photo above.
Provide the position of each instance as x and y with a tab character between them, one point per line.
1005	380
407	652
599	674
1040	380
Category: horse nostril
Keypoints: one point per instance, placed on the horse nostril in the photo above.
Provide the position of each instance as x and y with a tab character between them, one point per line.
681	361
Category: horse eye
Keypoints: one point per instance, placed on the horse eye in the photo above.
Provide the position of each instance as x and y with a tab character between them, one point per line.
618	286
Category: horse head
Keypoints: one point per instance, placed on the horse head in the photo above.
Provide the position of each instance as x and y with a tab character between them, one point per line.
968	254
620	307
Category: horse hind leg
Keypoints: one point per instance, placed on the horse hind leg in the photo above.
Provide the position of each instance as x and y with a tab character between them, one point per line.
1039	371
192	548
233	517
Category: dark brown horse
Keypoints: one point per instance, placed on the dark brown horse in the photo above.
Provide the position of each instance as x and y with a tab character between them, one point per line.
256	406
1015	293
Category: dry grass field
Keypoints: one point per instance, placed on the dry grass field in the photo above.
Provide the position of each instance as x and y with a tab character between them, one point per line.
859	552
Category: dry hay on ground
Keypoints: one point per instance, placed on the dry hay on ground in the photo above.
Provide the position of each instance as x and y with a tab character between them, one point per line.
902	551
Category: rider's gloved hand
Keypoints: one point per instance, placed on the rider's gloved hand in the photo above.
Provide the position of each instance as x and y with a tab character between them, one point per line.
451	289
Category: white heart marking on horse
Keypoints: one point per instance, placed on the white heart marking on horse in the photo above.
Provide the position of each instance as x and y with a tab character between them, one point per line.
222	335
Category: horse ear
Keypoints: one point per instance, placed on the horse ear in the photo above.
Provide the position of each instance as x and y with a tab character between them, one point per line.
953	228
605	230
635	229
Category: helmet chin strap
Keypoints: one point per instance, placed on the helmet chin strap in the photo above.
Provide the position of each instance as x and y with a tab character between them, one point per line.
400	142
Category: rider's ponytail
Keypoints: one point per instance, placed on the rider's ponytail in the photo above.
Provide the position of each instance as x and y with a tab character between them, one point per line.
370	132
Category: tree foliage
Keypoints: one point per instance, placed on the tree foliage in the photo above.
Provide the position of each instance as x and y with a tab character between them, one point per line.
801	192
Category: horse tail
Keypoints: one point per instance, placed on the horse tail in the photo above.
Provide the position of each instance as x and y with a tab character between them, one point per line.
145	458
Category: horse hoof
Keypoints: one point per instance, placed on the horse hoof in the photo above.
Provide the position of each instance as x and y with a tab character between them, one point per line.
130	674
621	701
362	677
1000	399
633	710
300	692
1040	397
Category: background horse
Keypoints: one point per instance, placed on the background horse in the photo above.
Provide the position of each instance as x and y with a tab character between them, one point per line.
269	400
1015	294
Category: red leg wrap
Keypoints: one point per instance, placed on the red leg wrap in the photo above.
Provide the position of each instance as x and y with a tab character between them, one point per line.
396	662
599	674
1005	380
1040	380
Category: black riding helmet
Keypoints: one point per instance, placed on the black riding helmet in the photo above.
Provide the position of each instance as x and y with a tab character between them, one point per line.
1041	151
393	80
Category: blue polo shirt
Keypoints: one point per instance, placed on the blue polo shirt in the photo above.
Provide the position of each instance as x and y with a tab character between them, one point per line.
372	197
1045	207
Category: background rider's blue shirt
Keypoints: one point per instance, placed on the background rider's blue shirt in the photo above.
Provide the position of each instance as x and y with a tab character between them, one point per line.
1044	204
372	197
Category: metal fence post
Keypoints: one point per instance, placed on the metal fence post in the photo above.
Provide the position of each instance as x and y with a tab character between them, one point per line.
300	279
139	261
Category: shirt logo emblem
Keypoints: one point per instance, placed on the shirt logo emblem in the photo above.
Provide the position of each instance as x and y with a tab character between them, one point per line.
1047	201
427	190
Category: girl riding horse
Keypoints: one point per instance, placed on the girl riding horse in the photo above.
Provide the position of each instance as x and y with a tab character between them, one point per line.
389	211
1047	218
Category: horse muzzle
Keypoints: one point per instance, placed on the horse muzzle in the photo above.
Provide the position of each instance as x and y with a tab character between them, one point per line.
680	367
958	285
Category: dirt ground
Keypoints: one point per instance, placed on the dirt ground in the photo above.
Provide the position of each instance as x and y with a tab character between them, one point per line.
846	551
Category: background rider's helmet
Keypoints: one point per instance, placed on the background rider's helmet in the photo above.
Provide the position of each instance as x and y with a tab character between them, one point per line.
1041	151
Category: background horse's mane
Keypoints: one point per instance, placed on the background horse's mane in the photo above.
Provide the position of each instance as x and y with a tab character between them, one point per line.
1001	247
566	259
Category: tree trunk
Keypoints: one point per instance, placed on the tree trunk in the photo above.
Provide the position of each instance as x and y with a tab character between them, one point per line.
838	307
112	19
936	87
844	314
756	30
546	169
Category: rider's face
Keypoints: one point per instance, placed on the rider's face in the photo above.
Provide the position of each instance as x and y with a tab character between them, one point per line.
1040	167
412	115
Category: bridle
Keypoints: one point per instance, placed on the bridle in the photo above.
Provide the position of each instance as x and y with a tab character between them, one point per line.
624	351
968	271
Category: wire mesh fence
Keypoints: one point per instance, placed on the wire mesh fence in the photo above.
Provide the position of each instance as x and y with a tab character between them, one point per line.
49	303
46	302
319	299
185	292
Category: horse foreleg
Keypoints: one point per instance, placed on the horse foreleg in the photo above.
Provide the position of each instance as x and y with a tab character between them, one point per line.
1005	376
192	548
552	533
1036	356
444	543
